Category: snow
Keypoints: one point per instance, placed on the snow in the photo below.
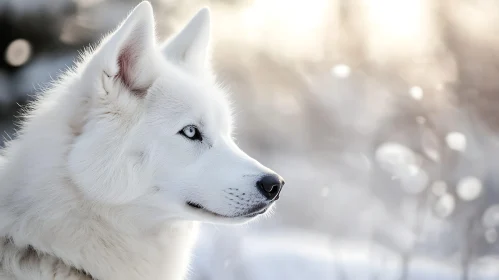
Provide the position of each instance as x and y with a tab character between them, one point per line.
294	254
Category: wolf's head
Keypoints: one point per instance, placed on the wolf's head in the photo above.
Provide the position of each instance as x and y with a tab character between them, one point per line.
157	131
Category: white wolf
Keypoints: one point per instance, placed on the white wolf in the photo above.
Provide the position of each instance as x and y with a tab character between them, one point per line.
118	162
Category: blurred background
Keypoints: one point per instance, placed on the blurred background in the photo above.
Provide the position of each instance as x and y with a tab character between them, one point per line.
382	116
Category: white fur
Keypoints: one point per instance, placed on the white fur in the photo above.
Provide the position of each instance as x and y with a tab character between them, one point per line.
97	181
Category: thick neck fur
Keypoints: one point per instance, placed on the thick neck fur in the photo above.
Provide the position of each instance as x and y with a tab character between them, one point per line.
42	209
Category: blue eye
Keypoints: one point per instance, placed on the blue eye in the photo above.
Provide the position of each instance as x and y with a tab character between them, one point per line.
191	132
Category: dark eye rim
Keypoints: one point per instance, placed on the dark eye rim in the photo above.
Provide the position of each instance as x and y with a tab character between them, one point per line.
197	135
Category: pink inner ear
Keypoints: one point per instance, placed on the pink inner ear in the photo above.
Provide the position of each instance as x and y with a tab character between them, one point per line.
126	61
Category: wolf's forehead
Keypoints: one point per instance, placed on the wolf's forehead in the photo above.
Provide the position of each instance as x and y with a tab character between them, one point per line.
204	103
197	97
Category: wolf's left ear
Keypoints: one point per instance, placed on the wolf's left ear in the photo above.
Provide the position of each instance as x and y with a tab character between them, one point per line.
125	54
191	46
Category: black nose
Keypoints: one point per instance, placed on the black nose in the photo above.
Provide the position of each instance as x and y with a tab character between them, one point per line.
270	186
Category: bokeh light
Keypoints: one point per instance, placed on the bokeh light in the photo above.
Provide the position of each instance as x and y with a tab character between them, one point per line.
469	188
18	52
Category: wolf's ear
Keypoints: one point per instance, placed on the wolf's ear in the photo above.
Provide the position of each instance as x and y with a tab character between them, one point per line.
125	54
190	47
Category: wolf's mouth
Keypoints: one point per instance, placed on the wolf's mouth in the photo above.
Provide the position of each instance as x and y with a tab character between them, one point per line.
201	208
194	205
251	214
254	214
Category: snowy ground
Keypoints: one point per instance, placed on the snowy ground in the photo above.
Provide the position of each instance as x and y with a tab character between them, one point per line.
296	255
